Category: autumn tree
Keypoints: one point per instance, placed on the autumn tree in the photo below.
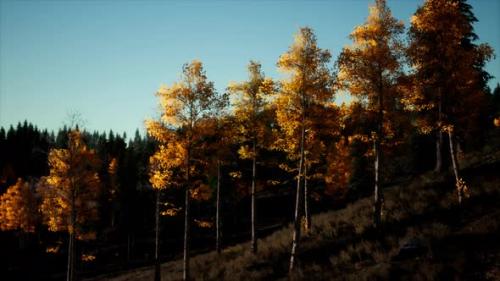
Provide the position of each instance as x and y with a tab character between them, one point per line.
448	79
168	157
249	101
368	69
184	105
308	86
69	193
219	147
18	208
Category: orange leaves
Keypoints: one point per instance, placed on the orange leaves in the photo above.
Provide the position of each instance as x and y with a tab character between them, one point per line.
204	223
448	78
162	163
87	257
72	184
245	152
373	59
308	89
496	122
338	169
249	100
18	208
201	192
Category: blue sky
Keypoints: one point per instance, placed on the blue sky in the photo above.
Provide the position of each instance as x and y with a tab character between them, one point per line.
106	59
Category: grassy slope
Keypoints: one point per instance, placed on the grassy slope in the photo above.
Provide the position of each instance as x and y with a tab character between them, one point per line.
454	242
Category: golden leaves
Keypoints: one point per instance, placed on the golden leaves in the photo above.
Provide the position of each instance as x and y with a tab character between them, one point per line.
87	257
496	122
462	190
170	212
204	223
72	184
18	208
245	152
235	175
201	192
163	162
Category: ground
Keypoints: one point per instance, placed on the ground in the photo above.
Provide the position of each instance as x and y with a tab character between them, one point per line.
426	235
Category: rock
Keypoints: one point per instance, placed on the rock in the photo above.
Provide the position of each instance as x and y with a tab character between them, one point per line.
412	248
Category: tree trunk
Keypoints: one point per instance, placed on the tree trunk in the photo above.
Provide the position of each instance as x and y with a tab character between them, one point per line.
254	235
69	272
307	216
377	208
454	162
218	221
439	139
297	222
187	228
157	237
70	276
129	245
378	196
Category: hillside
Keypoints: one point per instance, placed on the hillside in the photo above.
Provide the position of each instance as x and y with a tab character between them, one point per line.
426	236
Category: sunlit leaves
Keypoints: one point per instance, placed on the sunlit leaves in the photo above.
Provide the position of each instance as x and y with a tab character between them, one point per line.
374	60
204	223
162	163
306	91
249	100
18	209
71	186
447	67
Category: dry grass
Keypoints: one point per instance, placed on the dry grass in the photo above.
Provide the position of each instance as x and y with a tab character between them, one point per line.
342	245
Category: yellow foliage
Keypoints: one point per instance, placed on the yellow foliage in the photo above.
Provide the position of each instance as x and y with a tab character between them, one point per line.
87	257
204	223
462	189
170	212
202	192
338	169
235	175
72	184
307	90
249	100
52	249
18	208
496	122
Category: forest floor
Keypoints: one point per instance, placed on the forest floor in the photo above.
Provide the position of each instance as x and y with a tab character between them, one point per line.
426	235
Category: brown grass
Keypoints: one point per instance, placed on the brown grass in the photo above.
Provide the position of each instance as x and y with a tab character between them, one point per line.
343	245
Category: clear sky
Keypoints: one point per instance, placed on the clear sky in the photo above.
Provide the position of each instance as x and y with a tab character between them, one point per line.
106	59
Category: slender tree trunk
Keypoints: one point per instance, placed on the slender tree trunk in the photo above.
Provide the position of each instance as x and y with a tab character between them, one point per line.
378	196
70	276
453	155
218	221
454	162
129	240
70	257
187	228
157	238
439	139
377	208
254	234
296	229
307	211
